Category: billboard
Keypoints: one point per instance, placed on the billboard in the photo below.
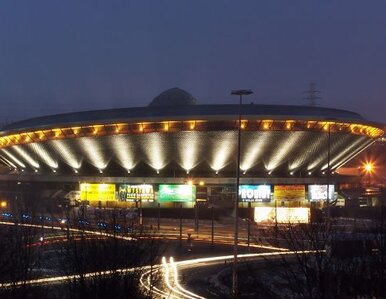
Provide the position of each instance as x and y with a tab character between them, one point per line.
96	192
176	193
142	192
319	192
255	193
289	192
281	215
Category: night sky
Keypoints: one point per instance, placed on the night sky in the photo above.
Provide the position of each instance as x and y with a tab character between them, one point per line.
60	56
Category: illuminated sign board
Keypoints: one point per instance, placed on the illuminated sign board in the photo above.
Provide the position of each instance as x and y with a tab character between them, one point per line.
96	192
136	192
319	192
281	215
255	193
289	192
176	193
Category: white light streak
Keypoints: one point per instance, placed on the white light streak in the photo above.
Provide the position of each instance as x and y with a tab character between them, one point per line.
155	150
184	291
254	150
166	275
150	287
346	151
222	151
40	151
181	292
13	158
323	157
93	151
60	228
355	153
188	144
242	256
311	148
66	153
26	156
6	161
123	151
284	149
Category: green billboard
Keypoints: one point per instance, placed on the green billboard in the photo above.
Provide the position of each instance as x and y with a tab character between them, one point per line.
176	193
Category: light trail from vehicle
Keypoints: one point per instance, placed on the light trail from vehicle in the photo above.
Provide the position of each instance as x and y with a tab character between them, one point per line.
227	240
175	290
151	270
150	287
179	291
177	282
60	279
172	236
61	228
62	239
167	280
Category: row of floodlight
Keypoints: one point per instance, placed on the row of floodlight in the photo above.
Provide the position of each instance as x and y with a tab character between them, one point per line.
158	171
189	154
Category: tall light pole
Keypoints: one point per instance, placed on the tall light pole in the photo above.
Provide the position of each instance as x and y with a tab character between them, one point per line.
240	93
328	175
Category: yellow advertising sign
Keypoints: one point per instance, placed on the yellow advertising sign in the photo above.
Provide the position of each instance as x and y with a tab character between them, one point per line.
282	215
96	192
289	192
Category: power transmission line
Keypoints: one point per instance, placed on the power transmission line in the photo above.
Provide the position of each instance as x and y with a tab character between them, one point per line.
313	95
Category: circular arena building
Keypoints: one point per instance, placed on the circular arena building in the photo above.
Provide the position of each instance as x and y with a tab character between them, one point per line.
174	140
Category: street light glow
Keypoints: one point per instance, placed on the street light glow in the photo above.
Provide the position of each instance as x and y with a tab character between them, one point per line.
369	167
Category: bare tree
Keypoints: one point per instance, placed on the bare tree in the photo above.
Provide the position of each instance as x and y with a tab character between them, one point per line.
336	263
83	254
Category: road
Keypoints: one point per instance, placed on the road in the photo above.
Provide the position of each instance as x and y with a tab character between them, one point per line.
170	285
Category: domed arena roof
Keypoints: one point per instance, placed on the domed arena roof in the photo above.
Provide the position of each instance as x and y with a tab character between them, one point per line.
174	97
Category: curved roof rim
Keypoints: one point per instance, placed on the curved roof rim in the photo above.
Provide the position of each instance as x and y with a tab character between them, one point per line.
188	112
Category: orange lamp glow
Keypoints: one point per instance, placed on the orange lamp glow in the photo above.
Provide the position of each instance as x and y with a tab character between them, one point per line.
368	167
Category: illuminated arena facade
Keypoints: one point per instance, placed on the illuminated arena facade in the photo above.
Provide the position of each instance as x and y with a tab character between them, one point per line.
174	138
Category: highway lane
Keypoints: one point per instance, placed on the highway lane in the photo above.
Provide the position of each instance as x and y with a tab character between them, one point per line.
169	286
165	233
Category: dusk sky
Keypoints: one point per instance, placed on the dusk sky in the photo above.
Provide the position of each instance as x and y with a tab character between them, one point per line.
61	56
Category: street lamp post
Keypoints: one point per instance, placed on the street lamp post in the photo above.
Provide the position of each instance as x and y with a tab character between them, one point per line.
240	93
328	175
330	122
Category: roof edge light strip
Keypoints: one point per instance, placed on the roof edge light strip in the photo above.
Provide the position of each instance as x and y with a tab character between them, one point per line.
186	125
